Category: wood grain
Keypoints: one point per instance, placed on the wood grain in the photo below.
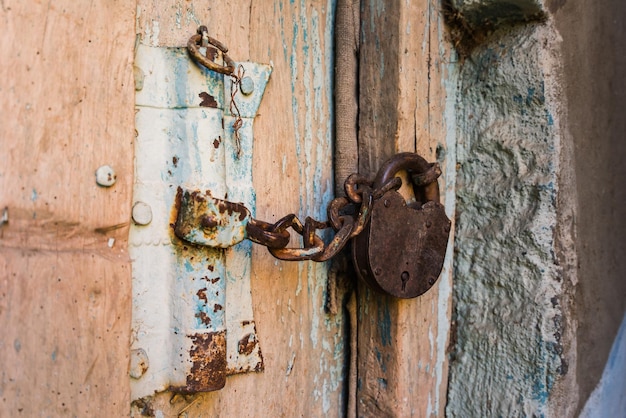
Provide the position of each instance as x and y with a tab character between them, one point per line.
402	359
66	100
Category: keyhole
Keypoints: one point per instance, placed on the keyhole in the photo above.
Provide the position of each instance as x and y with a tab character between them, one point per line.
405	278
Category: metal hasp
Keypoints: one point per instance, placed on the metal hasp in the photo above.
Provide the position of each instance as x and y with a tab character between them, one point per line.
192	309
402	249
205	220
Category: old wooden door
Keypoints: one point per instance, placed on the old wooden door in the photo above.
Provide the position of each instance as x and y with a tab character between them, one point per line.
67	100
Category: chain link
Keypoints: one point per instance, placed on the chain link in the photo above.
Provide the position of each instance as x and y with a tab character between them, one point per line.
347	216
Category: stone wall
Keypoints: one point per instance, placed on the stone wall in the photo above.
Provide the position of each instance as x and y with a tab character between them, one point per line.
538	288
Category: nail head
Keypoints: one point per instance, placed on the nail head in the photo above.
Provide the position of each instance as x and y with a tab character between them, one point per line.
105	176
247	86
142	213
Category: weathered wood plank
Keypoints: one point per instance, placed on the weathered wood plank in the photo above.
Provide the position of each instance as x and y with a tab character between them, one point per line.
303	347
402	360
66	100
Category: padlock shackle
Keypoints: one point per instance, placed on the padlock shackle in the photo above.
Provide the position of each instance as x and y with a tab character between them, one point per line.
412	162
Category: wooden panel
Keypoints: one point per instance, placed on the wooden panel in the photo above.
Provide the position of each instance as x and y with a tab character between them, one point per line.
303	347
402	359
66	106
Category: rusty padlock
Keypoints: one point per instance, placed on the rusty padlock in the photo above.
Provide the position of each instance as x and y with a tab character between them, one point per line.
402	249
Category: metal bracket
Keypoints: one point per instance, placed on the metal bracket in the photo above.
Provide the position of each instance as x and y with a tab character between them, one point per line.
192	310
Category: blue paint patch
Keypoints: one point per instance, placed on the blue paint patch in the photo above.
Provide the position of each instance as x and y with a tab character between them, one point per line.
53	356
539	390
382	383
180	84
384	324
529	96
34	196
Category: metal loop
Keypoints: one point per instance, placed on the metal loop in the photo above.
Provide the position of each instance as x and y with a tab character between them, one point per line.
429	176
339	241
351	183
192	47
411	162
393	184
287	221
297	254
310	226
334	217
263	233
365	212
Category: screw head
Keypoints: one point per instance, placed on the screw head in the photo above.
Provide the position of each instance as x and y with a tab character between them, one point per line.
431	281
142	213
247	86
138	363
105	176
208	221
377	271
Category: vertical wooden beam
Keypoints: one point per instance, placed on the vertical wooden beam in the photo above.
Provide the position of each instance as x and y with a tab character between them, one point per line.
66	108
402	362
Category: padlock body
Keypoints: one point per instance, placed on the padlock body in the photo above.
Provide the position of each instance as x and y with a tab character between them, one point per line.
402	249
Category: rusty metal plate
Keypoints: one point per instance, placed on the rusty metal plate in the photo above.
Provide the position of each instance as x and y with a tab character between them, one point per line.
402	250
206	220
192	305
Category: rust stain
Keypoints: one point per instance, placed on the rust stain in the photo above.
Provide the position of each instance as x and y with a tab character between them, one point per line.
204	318
247	344
231	208
175	161
145	405
208	221
211	53
217	307
215	280
216	142
208	358
202	294
175	209
207	100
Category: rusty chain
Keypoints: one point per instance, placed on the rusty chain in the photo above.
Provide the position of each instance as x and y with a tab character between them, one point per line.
347	216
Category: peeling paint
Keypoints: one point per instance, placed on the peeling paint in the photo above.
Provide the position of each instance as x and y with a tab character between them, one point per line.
187	296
